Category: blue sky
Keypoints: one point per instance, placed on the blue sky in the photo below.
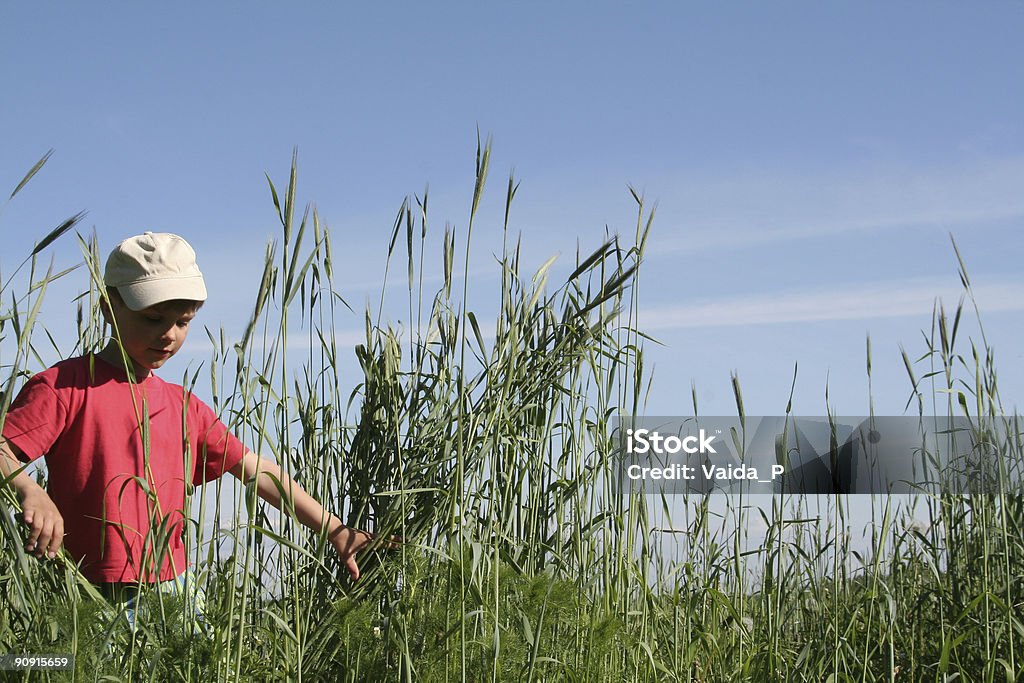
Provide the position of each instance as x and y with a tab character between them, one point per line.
808	161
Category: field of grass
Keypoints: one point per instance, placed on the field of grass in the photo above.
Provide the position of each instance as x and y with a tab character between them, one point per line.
487	445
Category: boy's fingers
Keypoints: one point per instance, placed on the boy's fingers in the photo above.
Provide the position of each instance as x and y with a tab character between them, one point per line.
360	540
44	538
57	540
46	534
33	536
390	543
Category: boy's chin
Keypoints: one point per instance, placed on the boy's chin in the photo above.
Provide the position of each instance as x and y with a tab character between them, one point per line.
151	360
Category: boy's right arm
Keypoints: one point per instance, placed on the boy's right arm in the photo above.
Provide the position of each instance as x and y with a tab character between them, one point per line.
46	525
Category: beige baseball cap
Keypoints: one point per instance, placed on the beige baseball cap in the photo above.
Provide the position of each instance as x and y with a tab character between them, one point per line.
154	267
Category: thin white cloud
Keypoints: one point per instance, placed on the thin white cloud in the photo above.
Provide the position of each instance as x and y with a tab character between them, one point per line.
877	300
760	207
893	299
398	279
298	340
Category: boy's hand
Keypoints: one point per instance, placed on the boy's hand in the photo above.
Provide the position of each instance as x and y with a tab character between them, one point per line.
46	526
347	542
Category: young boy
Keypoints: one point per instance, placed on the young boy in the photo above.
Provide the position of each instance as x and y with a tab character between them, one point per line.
120	452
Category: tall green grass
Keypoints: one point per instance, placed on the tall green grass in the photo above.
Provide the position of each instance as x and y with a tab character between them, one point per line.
486	444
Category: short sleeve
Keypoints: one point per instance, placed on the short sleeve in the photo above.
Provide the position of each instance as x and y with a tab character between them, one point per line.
37	417
215	450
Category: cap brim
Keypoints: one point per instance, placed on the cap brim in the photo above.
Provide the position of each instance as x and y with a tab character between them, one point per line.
140	295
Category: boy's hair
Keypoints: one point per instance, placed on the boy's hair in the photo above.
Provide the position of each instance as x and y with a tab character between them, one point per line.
152	268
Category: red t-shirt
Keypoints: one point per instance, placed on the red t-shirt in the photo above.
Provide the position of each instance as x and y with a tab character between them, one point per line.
87	424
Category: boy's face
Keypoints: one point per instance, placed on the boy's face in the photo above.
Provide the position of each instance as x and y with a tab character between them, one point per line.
153	335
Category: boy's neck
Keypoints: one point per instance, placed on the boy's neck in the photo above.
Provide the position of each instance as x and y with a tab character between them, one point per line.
111	354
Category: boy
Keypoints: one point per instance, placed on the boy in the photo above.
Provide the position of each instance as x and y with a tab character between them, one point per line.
120	451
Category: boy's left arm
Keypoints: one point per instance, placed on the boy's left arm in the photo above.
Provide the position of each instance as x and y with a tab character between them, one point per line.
346	540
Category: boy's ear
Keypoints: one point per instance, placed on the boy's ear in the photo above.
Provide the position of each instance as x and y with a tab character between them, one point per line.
105	310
